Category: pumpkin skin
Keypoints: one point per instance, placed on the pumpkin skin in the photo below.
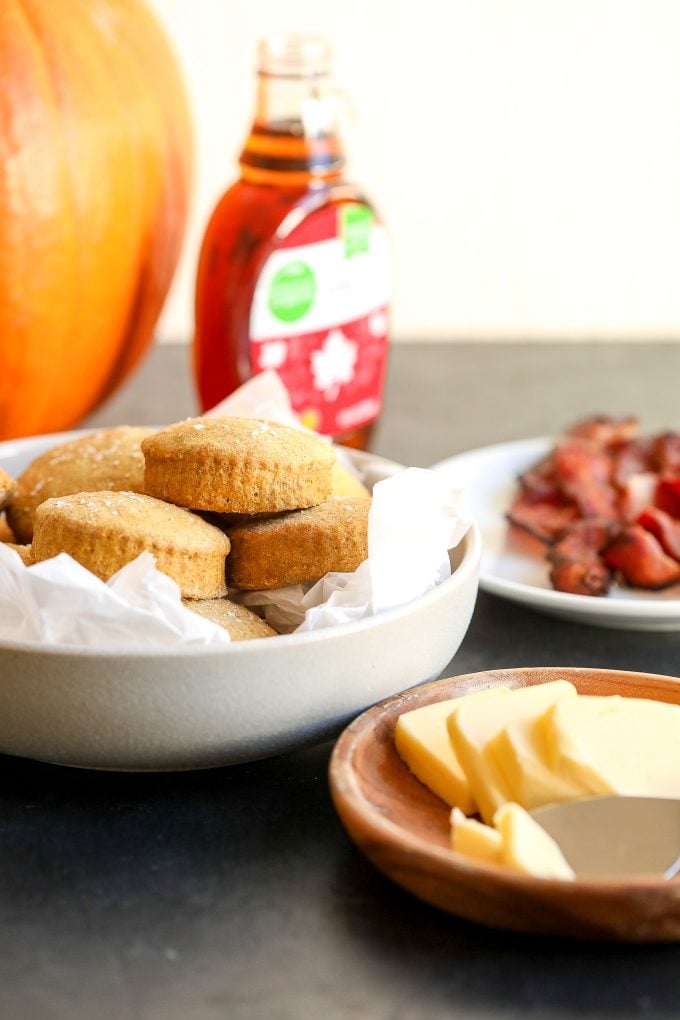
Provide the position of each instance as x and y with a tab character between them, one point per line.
95	169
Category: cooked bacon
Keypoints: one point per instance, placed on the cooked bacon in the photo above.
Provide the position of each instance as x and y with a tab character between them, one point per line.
667	453
667	496
664	528
632	458
591	578
584	474
582	539
638	556
545	519
605	499
605	431
576	563
540	482
637	493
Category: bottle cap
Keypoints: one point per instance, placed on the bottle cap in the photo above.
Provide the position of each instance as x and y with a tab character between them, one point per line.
294	56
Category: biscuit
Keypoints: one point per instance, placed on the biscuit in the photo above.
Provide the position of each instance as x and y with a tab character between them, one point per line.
299	546
106	530
241	622
108	460
237	465
7	486
6	533
343	483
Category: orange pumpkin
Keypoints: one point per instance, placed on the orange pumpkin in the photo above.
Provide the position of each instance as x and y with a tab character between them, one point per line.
95	165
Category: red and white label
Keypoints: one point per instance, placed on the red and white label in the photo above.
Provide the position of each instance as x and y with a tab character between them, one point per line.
320	317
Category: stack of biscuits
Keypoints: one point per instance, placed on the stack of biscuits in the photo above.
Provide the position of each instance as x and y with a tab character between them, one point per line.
221	503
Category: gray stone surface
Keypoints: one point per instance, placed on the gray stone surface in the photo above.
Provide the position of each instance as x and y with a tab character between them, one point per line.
235	893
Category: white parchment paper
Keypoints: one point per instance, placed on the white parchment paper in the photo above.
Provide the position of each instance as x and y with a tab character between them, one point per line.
59	602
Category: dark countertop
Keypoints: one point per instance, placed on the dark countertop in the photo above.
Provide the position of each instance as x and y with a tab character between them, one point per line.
235	892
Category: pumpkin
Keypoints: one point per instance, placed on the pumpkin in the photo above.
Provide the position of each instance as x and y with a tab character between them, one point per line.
95	166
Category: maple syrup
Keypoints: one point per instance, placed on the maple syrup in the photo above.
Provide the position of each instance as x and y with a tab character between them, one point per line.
294	268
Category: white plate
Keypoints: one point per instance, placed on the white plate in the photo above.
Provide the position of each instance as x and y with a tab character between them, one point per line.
513	563
166	709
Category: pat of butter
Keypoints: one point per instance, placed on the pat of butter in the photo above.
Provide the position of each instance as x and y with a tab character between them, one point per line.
422	740
515	840
521	755
473	724
474	839
615	745
343	483
528	848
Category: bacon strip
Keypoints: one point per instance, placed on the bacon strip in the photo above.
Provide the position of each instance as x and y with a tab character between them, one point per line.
667	453
606	431
664	528
637	494
591	578
584	475
576	563
635	457
641	560
545	519
667	496
540	481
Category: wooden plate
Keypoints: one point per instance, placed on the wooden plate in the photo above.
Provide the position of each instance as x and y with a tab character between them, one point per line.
404	829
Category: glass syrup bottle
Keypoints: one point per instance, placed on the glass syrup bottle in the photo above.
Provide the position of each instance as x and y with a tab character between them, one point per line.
293	272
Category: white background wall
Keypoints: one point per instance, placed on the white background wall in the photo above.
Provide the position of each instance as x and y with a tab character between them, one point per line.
524	153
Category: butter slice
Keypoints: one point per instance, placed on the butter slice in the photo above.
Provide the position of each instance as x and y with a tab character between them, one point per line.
521	754
422	740
343	483
473	724
528	848
474	839
615	745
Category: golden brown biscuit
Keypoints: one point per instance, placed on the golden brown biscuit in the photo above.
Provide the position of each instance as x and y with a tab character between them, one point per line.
23	551
106	530
343	483
241	622
7	486
299	546
346	484
108	460
6	533
237	465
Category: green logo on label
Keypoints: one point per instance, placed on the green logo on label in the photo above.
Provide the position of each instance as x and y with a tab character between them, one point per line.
355	227
292	291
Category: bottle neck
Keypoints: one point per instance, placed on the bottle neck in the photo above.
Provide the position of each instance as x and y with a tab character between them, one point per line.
293	141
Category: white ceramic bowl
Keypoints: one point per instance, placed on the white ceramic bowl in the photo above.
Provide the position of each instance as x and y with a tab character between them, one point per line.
156	709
